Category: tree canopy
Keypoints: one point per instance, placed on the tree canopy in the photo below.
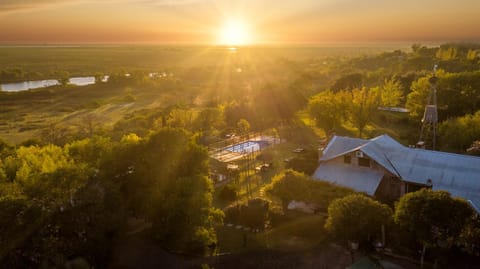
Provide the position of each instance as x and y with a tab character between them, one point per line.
432	217
357	218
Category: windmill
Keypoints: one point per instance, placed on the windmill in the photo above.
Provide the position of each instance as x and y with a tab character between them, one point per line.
428	132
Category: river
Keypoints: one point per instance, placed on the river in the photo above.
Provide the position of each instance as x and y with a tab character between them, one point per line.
35	84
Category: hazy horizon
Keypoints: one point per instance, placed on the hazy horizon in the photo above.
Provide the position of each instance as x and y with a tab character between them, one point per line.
200	22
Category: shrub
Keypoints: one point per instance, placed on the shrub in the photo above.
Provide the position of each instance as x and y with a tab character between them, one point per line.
305	163
292	185
228	193
252	214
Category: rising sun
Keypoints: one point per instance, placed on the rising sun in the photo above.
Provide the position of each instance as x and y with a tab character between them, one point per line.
234	33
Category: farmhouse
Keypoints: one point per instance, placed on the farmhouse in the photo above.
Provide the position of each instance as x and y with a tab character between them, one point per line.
382	167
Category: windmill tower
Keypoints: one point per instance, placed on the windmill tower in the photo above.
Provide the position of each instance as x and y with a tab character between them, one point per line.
428	133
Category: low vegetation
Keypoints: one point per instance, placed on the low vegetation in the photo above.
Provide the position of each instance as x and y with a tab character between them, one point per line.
292	185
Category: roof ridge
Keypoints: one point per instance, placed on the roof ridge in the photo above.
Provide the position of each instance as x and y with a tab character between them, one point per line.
334	139
446	153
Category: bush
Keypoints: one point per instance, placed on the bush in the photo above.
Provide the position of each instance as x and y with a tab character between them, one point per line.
278	217
292	185
253	214
256	213
232	214
228	193
305	163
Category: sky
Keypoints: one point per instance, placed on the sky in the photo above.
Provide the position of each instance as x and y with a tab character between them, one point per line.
261	21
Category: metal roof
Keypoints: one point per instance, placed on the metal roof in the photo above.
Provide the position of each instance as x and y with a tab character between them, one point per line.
455	173
340	145
358	178
377	148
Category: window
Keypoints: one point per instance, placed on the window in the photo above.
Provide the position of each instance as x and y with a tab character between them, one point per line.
347	159
364	162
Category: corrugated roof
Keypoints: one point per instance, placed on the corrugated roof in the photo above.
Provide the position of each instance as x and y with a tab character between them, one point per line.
340	145
377	148
456	173
358	178
455	170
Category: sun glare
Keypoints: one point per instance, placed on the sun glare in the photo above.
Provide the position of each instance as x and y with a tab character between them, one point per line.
234	33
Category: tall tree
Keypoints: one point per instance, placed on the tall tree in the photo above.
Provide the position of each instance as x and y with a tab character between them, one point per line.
243	126
168	184
391	93
328	109
457	134
362	107
418	97
209	119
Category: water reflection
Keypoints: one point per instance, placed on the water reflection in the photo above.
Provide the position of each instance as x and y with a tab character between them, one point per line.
26	85
77	81
29	85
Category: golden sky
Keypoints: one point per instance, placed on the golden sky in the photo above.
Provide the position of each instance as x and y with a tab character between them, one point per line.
265	21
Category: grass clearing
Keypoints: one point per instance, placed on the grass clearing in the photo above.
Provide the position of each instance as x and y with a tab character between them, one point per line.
302	233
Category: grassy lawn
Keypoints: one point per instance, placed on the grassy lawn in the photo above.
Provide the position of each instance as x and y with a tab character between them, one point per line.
308	121
302	233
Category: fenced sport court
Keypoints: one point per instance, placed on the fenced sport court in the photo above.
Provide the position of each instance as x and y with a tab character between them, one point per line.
241	147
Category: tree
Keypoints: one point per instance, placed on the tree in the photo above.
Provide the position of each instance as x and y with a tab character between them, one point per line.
289	185
417	99
458	93
434	218
99	78
63	77
89	124
43	186
348	82
168	184
228	193
180	118
472	55
209	119
457	134
252	214
306	162
391	94
446	53
275	104
357	218
236	111
363	105
243	126
92	150
328	109
55	133
470	236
